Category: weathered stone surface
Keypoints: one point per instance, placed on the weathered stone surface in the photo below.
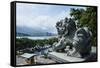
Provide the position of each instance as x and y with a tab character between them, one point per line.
75	42
66	29
81	41
63	58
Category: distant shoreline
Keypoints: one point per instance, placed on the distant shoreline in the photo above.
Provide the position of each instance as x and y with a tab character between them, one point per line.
37	37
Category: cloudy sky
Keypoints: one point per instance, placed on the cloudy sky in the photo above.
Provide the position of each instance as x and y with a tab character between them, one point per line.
43	17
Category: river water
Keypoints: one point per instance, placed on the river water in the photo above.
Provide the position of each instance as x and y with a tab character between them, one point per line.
37	38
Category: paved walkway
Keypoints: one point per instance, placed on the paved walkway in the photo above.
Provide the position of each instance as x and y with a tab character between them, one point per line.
39	60
43	60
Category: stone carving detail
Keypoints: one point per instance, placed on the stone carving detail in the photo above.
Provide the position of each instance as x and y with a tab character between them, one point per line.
75	42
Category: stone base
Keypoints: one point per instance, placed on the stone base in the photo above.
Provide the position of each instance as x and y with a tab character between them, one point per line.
62	57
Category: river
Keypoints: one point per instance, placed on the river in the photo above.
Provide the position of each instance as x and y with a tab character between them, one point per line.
37	37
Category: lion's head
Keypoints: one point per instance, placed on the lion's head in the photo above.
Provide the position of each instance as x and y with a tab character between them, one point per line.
65	26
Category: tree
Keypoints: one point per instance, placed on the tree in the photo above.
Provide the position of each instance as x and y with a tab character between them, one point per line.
86	17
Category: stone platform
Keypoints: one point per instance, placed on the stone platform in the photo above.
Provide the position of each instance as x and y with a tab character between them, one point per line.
62	57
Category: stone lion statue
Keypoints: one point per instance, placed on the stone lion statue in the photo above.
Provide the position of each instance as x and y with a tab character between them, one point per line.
82	42
75	42
66	29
